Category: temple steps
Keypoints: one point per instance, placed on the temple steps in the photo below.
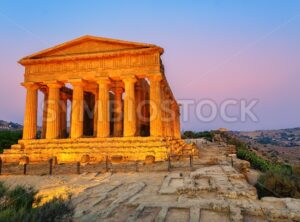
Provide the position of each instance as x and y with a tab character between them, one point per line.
71	150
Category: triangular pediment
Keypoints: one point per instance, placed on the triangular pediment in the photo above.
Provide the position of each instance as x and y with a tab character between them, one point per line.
89	45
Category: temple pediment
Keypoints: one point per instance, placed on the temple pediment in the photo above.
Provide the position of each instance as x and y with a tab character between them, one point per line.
89	45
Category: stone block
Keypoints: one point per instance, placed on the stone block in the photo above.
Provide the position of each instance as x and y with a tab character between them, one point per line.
85	159
24	160
117	158
150	159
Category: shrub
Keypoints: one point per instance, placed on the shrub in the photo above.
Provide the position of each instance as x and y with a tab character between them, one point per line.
255	161
55	210
8	138
21	197
16	205
12	215
278	183
209	135
3	189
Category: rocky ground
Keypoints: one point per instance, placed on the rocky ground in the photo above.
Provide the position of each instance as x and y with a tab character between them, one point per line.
213	191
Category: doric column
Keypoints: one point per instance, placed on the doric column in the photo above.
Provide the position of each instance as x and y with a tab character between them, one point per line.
118	120
164	117
44	123
155	106
173	117
170	116
53	111
96	113
138	105
103	128
176	122
173	123
30	117
129	107
146	109
63	115
77	109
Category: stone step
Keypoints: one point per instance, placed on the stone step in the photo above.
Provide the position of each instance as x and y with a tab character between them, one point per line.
99	144
94	140
74	154
70	150
97	147
103	151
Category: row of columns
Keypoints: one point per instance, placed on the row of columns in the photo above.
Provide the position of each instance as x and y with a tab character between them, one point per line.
56	116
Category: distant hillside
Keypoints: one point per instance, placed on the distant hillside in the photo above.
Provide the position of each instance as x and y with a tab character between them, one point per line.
282	137
279	145
10	125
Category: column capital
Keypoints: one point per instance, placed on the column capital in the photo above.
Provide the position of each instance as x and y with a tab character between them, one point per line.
30	85
54	84
129	79
155	78
103	80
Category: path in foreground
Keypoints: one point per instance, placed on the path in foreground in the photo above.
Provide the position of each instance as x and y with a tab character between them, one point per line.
214	191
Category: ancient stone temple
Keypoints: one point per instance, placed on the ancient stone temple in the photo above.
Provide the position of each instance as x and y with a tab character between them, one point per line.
102	98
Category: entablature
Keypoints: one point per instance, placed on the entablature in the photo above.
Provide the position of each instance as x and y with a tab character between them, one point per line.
139	64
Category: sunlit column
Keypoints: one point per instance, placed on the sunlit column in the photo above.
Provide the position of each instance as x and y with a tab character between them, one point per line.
77	109
155	106
176	122
169	118
30	117
53	111
96	112
164	113
138	105
103	126
118	120
63	115
44	123
129	107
